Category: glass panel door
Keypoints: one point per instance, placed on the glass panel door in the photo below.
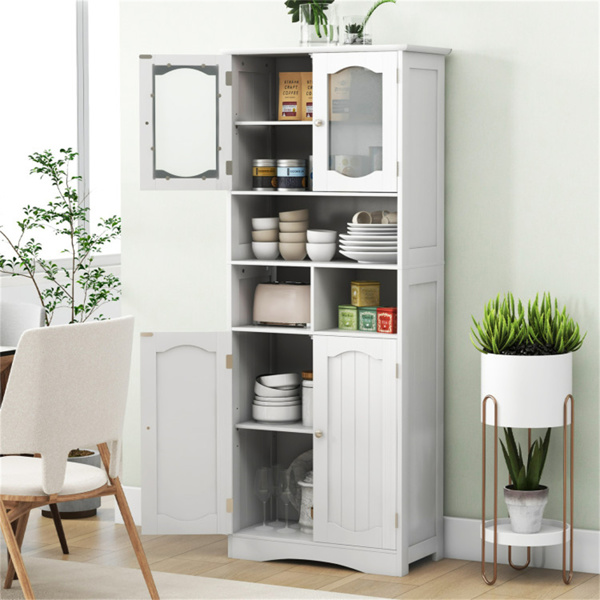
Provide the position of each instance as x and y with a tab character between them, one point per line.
355	119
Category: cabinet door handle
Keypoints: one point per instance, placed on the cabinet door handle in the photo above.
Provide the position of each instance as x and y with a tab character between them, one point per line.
318	433
319	123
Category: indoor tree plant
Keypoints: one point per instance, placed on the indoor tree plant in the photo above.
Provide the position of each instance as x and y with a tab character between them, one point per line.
313	14
78	284
527	367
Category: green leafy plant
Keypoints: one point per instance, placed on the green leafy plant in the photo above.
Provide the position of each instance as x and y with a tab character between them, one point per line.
319	17
544	331
525	476
501	327
552	329
82	287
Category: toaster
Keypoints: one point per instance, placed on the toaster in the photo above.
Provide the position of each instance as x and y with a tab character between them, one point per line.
282	303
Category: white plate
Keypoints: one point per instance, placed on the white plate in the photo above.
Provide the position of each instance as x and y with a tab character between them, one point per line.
375	244
359	231
368	249
372	257
374	226
369	237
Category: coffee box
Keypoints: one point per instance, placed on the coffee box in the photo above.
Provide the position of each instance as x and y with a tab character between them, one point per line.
290	85
307	97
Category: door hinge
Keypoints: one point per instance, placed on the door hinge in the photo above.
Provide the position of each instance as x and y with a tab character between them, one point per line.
398	371
229	361
229	505
228	78
396	520
228	167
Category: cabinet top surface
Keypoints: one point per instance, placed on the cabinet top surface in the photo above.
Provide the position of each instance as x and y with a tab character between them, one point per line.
309	50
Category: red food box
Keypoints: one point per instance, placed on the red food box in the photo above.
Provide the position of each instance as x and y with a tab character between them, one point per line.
387	319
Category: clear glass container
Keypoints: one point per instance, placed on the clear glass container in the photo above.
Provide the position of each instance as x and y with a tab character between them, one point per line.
355	31
316	30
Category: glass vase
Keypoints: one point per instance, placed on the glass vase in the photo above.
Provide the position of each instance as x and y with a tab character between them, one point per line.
317	28
354	32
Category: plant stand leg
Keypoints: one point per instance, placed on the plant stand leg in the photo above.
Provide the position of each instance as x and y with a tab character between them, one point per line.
567	578
510	562
483	420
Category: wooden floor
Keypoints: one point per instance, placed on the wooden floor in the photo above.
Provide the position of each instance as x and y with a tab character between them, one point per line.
98	540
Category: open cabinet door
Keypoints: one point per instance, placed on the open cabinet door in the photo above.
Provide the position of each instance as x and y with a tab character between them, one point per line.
185	122
186	391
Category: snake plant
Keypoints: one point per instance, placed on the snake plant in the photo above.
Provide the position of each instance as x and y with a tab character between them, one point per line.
525	476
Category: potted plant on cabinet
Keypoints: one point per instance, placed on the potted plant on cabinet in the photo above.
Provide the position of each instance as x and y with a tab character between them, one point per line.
79	285
527	369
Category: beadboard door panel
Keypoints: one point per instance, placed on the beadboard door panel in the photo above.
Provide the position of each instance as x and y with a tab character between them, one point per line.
355	397
186	435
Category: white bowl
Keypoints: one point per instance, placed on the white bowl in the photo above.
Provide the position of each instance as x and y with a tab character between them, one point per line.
279	380
297	236
265	235
277	413
294	215
321	252
277	401
265	250
321	236
277	404
293	226
261	223
270	392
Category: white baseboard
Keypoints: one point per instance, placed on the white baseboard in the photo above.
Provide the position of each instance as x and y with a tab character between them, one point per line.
134	499
462	541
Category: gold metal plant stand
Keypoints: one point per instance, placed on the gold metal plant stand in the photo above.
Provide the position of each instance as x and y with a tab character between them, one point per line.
567	577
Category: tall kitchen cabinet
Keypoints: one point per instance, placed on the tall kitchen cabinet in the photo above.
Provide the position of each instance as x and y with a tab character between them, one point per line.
377	437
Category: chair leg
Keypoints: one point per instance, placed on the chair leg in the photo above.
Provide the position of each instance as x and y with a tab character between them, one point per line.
135	539
59	528
19	531
15	553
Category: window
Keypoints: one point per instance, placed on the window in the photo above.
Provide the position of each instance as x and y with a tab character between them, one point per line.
52	47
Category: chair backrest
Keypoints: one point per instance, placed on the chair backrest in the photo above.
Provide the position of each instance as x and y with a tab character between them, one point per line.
16	318
67	389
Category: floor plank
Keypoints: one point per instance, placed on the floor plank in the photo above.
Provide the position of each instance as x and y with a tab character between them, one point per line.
588	590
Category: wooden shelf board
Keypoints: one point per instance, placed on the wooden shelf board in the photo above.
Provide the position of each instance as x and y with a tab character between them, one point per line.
316	193
549	535
282	427
268	329
333	264
272	534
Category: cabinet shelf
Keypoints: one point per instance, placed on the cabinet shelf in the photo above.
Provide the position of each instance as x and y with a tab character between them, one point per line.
271	329
549	535
296	427
314	193
356	333
334	264
261	123
296	536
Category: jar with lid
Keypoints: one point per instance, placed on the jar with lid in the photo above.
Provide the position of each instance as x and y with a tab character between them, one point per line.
291	174
307	398
264	174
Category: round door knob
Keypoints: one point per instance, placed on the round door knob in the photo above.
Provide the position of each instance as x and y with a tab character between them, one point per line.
318	433
319	123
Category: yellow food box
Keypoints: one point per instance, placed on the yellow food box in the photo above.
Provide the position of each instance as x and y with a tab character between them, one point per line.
307	97
364	293
290	85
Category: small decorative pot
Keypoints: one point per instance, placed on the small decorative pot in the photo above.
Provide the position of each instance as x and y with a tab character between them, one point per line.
526	508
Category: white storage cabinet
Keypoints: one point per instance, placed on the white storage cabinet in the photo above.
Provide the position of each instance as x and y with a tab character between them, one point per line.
378	398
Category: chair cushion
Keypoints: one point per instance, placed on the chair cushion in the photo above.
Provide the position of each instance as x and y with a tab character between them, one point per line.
22	476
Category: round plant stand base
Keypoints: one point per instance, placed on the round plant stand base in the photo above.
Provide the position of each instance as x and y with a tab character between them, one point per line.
549	535
80	514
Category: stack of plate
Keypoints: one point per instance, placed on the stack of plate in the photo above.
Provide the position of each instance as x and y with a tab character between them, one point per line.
277	398
370	243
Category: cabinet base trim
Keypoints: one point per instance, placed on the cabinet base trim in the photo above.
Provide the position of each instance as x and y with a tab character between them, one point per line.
462	541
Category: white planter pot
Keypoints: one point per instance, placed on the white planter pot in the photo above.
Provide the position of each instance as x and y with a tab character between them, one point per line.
530	391
526	508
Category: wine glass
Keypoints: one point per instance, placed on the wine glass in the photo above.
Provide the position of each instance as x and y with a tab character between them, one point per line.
278	476
285	496
263	488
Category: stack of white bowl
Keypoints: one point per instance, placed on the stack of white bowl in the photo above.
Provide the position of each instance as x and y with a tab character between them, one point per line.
322	244
265	238
277	398
292	234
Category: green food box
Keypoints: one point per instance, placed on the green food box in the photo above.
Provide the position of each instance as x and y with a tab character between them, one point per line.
347	316
367	318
